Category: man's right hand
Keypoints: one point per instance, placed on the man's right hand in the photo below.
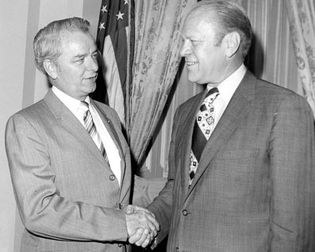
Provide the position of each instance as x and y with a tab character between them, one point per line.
142	226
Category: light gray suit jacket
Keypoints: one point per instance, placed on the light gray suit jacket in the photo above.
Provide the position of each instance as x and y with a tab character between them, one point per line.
66	194
254	187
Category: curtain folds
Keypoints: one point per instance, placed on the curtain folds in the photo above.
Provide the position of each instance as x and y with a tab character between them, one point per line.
156	61
301	14
271	56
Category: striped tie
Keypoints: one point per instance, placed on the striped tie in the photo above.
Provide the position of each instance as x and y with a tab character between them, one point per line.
90	127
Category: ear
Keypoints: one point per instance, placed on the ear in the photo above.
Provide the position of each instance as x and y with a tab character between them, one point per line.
50	68
232	42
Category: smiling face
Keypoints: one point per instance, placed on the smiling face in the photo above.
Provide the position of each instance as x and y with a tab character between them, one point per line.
206	62
75	70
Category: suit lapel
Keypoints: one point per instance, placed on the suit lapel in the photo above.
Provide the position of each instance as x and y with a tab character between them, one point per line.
235	112
185	135
114	135
69	122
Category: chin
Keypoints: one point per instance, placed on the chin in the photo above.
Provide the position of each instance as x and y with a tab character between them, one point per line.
191	78
93	85
194	80
92	90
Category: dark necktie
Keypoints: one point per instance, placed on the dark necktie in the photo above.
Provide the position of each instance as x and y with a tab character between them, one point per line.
203	127
90	127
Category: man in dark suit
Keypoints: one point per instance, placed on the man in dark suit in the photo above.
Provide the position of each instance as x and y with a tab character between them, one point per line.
69	161
242	153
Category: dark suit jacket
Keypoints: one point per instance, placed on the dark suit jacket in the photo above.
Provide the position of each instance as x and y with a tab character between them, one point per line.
66	194
254	187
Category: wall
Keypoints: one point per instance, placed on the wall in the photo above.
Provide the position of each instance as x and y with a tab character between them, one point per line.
12	54
21	84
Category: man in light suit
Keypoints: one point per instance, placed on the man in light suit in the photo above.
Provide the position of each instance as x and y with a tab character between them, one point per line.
251	187
69	161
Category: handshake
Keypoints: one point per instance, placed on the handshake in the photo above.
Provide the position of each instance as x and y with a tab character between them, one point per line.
142	226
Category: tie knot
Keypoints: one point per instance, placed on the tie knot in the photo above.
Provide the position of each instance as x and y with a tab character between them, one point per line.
213	92
211	95
208	100
84	106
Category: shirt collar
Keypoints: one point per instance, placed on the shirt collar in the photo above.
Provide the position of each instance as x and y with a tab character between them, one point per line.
71	103
230	84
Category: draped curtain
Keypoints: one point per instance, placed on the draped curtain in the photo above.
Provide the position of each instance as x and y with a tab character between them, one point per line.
155	64
301	15
271	58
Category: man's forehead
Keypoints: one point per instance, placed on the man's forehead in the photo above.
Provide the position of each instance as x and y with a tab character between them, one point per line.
71	35
201	14
77	40
195	25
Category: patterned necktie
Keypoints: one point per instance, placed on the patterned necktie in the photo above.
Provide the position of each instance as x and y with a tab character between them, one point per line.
90	127
203	127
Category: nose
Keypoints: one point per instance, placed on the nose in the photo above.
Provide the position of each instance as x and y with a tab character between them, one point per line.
92	63
186	48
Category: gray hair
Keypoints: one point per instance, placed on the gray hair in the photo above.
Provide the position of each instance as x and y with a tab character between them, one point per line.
228	17
47	41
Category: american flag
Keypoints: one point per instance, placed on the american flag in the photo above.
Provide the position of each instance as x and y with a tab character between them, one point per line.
113	42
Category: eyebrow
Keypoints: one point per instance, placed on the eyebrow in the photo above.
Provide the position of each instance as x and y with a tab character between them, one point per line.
85	54
191	37
95	51
79	55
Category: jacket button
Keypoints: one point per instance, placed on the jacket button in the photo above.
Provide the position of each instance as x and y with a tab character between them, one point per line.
177	248
112	177
185	212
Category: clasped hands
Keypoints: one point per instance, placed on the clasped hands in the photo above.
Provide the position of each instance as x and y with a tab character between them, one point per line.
142	226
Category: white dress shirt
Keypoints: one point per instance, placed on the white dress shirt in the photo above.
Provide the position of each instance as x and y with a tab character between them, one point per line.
111	149
226	90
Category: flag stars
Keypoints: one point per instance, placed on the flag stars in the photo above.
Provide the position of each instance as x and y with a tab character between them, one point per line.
102	26
104	9
120	15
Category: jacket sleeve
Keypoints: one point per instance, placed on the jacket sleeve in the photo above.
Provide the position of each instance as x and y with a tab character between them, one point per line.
162	204
292	155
